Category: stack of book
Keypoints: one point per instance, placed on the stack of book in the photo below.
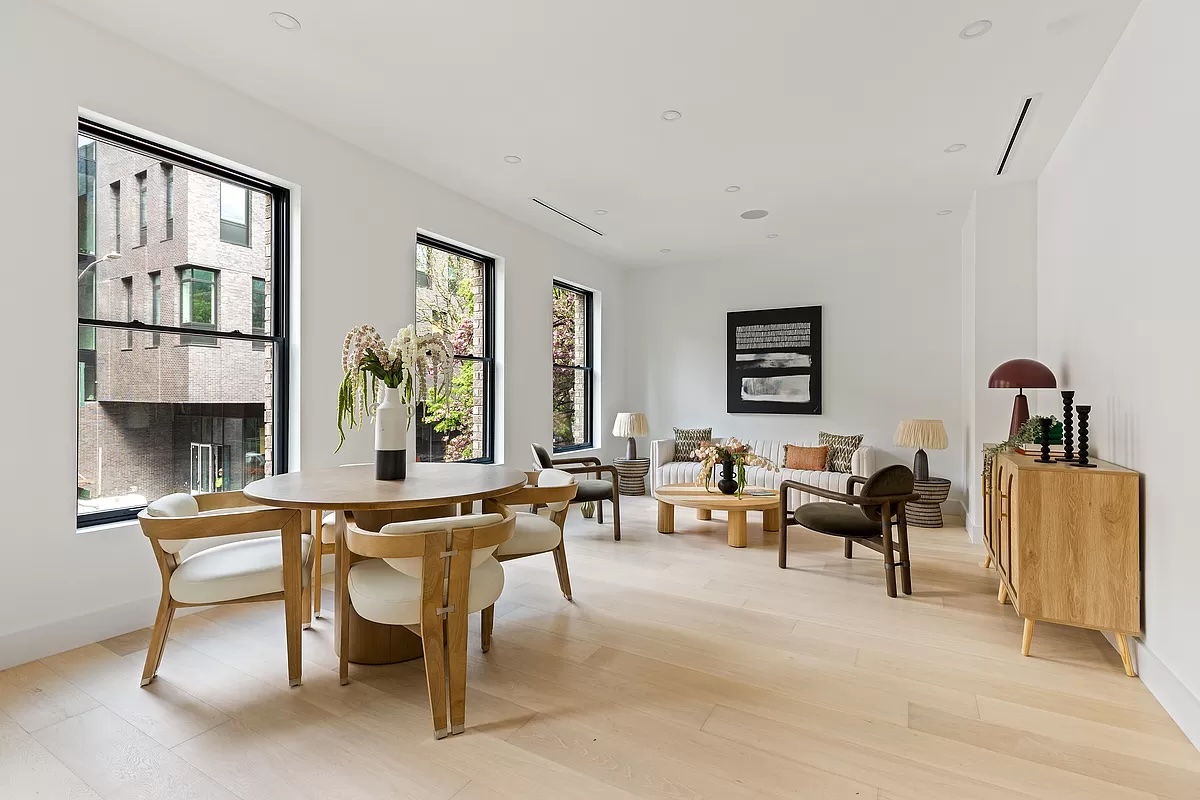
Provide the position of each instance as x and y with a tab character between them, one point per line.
1032	449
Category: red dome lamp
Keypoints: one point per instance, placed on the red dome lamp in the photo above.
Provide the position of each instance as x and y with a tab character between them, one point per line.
1021	374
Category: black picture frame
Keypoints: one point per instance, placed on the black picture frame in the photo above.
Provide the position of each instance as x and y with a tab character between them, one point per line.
774	361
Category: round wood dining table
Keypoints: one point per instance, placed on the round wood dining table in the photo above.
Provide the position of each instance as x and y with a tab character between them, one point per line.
430	490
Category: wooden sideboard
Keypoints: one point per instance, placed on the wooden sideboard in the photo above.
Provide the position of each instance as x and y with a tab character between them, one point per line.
1067	544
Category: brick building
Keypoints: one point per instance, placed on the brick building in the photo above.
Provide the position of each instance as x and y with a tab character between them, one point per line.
163	412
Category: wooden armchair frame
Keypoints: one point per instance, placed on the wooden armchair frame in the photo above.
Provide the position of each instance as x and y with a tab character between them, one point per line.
889	505
240	516
592	465
445	555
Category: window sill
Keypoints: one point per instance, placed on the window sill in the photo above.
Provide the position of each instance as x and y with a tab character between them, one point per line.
585	449
109	527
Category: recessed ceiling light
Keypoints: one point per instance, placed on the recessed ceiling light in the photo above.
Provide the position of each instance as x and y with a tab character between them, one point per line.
285	21
772	235
513	159
754	213
670	115
733	188
944	212
955	148
600	212
976	29
665	250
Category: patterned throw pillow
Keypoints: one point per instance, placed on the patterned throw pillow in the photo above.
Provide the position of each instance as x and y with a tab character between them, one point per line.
841	449
688	440
809	458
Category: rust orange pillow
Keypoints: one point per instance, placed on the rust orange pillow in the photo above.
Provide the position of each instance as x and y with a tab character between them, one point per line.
812	458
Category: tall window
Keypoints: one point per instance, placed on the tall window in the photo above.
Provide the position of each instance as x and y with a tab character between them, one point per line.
454	296
142	216
572	379
169	181
235	214
178	418
156	306
258	307
116	206
198	303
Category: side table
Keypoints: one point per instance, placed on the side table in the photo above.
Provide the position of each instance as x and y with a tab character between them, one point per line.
631	475
927	513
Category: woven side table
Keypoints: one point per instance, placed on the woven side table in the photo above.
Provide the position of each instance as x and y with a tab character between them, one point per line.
631	475
928	512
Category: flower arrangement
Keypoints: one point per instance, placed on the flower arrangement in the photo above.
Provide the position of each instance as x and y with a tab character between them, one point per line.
733	451
419	365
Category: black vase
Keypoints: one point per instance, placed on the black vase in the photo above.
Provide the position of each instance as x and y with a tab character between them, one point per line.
727	484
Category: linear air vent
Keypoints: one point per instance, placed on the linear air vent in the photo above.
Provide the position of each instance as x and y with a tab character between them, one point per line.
1022	116
546	205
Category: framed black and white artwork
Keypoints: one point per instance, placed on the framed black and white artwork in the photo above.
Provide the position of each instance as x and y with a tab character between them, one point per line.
775	361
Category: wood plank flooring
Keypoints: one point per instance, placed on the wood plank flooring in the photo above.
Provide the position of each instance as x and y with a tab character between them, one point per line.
684	669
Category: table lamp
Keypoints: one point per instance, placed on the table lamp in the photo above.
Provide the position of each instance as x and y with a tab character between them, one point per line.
629	425
921	433
1021	374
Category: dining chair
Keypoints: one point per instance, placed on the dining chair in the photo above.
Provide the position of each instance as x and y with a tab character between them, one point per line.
243	571
592	490
426	575
326	525
866	518
534	534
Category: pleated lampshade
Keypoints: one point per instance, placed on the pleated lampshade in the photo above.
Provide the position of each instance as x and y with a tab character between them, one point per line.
922	434
631	424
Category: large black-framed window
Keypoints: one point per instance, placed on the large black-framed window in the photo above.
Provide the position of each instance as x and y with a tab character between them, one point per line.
144	413
573	379
455	291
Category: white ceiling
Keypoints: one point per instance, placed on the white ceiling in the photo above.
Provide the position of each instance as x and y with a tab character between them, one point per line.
831	114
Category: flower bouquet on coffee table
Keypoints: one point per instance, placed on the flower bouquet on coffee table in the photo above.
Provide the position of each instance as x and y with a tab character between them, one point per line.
733	456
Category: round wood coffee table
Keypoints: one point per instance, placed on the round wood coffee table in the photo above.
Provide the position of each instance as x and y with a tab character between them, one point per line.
705	502
430	490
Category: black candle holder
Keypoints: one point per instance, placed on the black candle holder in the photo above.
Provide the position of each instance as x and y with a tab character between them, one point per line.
1044	424
1068	429
1084	412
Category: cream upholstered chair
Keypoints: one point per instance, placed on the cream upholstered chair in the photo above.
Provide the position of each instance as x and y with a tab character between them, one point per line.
534	534
243	571
426	575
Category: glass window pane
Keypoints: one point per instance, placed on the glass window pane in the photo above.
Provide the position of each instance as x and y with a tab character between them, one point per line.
570	327
86	165
570	407
450	298
152	422
233	203
452	428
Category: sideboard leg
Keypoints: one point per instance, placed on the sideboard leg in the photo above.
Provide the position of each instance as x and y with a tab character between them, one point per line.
1126	655
1002	595
1027	637
987	561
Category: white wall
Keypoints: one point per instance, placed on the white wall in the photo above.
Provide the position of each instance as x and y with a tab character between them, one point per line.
1002	227
969	440
1118	319
891	342
358	219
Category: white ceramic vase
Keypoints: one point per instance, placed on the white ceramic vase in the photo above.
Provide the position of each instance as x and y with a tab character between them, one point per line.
391	437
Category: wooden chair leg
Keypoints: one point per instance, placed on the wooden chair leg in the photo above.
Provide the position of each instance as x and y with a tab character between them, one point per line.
848	549
293	613
456	628
906	570
783	530
341	589
889	556
560	566
306	608
158	638
487	618
616	515
316	582
600	512
434	647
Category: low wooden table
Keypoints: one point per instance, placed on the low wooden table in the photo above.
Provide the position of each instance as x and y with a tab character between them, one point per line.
705	502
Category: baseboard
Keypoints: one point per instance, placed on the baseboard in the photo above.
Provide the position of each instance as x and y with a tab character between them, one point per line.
1171	693
31	644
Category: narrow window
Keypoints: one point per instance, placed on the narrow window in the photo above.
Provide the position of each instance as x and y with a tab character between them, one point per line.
235	214
155	305
572	354
116	204
127	288
198	303
169	180
141	187
258	308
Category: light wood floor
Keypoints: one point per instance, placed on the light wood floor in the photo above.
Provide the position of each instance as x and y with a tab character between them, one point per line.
684	669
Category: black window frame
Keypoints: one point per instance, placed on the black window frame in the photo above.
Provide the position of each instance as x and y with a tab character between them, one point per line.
587	367
277	336
488	359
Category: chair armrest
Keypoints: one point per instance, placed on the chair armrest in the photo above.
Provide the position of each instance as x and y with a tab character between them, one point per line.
853	481
597	470
540	495
226	523
577	460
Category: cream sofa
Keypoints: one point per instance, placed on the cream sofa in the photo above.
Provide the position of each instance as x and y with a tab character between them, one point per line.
664	469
